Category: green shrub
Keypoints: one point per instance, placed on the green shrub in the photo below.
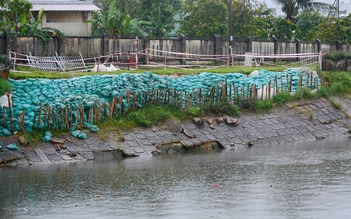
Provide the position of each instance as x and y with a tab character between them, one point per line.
220	108
193	111
263	105
4	59
335	56
282	97
303	93
139	118
5	86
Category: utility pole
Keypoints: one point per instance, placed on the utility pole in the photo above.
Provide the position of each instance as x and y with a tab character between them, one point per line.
230	26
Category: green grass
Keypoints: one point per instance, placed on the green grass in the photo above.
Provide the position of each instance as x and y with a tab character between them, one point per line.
5	86
25	72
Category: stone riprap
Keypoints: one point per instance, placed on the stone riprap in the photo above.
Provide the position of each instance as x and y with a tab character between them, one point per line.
293	122
62	95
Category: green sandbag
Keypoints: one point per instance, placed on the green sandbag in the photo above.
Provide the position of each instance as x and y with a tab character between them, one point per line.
82	135
12	146
75	133
48	133
6	132
94	128
47	138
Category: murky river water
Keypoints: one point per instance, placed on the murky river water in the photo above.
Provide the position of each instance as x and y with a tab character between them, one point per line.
286	181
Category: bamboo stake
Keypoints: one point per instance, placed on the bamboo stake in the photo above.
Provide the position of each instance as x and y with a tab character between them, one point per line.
290	82
211	94
127	100
49	118
121	105
254	91
134	102
276	85
71	115
40	109
152	96
269	89
81	116
10	110
96	115
21	120
4	116
262	91
242	92
62	120
307	80
192	98
105	111
217	95
53	117
164	97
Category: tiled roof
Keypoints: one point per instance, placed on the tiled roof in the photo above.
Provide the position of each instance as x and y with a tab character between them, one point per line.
65	7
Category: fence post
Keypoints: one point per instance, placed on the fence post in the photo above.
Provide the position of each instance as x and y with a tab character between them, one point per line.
182	46
276	45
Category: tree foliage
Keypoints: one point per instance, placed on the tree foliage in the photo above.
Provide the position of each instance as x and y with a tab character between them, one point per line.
291	7
115	23
203	18
160	27
14	15
332	30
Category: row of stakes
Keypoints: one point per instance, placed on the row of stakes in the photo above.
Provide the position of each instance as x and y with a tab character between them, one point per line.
76	115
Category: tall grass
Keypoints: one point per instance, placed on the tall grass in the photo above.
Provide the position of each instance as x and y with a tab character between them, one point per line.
5	86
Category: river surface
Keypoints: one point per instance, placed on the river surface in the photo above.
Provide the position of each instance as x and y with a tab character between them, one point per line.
305	180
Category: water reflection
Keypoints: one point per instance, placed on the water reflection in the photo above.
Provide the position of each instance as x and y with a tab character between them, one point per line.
285	181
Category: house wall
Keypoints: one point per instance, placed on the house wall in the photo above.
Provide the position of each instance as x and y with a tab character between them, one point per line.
64	16
70	23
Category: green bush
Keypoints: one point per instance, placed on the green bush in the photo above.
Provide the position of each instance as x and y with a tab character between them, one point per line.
282	97
5	86
335	56
4	60
193	111
263	105
220	108
303	93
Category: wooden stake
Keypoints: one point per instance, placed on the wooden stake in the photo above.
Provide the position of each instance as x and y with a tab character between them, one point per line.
40	109
10	110
211	94
134	102
96	114
4	116
127	100
81	116
121	105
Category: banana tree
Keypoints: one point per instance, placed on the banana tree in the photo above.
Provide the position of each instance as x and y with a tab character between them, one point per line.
32	28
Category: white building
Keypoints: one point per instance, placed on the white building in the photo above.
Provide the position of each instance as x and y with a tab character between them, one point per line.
67	16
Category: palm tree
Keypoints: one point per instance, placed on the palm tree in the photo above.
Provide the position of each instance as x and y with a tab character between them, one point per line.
115	24
160	27
291	7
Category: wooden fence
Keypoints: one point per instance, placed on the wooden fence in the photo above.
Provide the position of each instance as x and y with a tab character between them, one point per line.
91	47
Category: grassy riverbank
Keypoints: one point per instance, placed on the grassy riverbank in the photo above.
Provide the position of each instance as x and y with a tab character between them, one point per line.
23	72
339	83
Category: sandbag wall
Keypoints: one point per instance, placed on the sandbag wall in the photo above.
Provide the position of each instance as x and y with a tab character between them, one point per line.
83	101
